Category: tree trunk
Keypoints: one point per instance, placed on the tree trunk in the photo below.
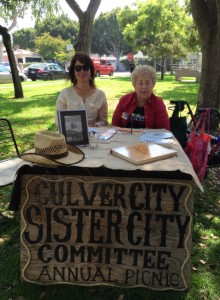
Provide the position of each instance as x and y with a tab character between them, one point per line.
13	24
1	50
171	65
15	76
86	20
162	67
206	15
116	52
209	91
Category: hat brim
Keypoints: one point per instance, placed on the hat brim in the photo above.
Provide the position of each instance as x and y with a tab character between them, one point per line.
75	155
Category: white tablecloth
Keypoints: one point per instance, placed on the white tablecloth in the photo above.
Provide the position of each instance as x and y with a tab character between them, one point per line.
101	156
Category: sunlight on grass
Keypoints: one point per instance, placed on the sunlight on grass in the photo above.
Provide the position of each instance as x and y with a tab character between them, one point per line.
37	110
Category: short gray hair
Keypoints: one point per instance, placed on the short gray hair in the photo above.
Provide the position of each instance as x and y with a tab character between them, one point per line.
140	70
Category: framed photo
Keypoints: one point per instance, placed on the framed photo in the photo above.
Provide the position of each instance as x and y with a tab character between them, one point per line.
73	125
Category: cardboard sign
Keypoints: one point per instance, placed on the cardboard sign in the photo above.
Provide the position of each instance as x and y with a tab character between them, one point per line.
111	231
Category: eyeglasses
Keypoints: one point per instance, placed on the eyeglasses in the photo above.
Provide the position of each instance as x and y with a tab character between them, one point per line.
79	68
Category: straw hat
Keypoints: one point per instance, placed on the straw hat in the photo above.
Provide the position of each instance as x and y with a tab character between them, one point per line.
51	149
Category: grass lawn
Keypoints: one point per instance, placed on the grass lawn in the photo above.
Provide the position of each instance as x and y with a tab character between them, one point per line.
36	112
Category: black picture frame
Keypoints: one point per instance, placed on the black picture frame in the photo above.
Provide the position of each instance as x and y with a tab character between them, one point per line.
74	126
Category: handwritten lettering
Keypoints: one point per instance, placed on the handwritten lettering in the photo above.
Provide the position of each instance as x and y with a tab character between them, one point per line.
137	230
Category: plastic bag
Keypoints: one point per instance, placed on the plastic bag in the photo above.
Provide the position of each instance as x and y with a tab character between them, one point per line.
198	146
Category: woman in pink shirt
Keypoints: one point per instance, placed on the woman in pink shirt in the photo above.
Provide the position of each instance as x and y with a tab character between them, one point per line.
141	108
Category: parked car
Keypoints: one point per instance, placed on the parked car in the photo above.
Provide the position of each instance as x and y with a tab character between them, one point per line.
6	64
35	65
6	76
45	71
25	71
102	67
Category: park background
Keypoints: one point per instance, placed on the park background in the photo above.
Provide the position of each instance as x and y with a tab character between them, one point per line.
36	112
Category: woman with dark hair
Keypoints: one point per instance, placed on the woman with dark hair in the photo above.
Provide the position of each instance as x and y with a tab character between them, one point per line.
83	94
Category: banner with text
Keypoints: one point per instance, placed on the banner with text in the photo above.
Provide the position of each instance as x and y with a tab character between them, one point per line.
111	231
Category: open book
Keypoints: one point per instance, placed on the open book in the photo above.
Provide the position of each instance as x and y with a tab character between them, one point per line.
143	153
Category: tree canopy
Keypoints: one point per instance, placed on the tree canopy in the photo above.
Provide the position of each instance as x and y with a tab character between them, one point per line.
38	7
157	28
25	38
108	36
7	10
51	47
144	28
60	25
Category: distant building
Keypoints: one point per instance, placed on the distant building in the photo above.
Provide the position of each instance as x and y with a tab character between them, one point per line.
24	56
192	62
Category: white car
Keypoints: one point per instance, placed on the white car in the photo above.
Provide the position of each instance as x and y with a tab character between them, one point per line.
6	64
6	76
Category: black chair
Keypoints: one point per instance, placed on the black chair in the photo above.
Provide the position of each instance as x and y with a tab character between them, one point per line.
9	154
178	120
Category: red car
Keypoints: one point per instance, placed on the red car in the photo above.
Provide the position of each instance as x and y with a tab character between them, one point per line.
102	67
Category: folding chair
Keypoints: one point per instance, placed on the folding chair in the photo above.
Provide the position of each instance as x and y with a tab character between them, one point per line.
9	154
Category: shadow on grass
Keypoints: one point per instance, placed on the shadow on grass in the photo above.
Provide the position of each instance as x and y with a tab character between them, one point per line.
181	91
8	106
206	234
